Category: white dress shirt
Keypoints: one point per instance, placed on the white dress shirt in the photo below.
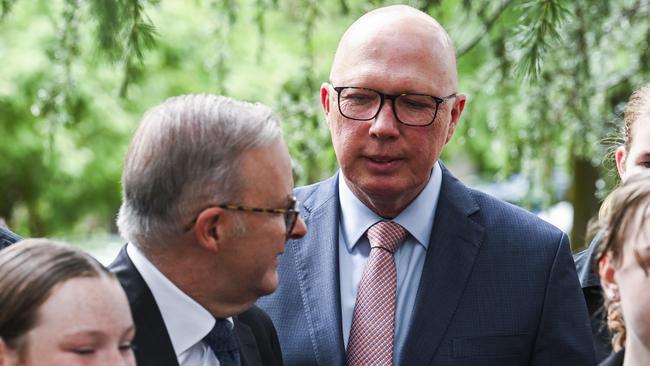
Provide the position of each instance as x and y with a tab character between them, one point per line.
186	321
354	249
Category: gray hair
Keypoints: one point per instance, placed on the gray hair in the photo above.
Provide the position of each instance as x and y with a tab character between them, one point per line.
185	154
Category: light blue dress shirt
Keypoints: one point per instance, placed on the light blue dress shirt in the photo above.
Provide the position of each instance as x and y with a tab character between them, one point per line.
354	249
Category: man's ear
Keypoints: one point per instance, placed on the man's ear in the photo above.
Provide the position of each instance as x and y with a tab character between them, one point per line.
456	111
607	272
325	97
621	156
209	228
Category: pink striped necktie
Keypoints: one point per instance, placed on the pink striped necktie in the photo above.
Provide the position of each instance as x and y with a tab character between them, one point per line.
373	321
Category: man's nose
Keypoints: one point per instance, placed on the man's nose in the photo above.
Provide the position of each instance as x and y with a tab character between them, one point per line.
385	125
299	229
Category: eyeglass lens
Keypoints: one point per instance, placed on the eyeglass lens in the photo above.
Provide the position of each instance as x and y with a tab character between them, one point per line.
291	216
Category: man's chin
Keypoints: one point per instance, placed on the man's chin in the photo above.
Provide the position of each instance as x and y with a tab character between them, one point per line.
383	189
269	286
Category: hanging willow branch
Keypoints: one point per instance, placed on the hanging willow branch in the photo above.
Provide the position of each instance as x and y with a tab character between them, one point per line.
488	23
141	36
123	33
225	17
56	101
261	8
539	27
310	14
5	7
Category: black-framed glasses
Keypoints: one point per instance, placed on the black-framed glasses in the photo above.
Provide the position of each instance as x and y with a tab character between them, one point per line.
290	214
411	109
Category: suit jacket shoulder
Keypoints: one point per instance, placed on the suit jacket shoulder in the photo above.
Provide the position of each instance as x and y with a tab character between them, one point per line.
510	285
255	333
260	339
151	345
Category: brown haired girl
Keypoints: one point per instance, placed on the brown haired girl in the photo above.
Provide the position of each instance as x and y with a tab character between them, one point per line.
624	265
59	306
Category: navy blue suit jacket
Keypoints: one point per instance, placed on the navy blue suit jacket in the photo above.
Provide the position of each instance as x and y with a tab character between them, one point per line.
498	287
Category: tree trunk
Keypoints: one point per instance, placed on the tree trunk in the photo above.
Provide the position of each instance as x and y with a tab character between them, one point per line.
583	198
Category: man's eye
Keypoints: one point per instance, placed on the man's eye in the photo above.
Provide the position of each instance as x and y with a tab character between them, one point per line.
415	104
126	347
646	164
358	98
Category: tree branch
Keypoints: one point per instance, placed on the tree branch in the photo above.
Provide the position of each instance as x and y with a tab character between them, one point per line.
487	25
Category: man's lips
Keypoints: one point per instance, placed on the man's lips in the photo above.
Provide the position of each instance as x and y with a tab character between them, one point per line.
382	158
382	163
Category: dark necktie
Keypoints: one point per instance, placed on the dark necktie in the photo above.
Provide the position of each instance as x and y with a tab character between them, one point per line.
373	321
223	343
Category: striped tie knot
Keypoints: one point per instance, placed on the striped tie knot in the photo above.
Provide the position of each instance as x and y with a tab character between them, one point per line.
386	235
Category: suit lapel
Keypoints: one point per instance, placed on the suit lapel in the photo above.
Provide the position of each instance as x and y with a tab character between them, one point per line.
454	246
247	345
317	271
152	345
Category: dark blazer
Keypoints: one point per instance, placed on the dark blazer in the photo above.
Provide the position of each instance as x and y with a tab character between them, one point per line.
498	287
593	293
7	238
258	341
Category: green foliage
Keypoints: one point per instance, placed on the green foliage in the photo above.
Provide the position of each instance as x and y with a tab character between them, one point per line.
539	22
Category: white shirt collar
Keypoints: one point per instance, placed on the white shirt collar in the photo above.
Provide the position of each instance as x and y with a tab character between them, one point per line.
417	217
186	320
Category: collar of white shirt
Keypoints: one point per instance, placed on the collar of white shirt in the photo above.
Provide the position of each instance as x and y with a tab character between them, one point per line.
186	320
416	218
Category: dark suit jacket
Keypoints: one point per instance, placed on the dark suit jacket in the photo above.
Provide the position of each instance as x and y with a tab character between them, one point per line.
498	287
258	341
590	282
7	238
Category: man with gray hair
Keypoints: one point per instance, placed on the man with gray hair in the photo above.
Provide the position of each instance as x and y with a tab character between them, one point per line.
207	208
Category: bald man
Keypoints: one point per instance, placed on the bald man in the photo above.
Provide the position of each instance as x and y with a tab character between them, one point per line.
403	264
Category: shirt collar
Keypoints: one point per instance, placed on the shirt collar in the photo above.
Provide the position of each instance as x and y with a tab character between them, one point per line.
417	218
195	323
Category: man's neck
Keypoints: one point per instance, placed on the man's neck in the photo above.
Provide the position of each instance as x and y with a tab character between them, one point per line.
387	206
189	269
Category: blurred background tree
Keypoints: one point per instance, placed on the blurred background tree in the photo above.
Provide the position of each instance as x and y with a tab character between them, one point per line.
546	81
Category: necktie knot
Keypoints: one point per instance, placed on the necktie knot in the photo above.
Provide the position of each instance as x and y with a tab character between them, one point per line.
223	343
386	235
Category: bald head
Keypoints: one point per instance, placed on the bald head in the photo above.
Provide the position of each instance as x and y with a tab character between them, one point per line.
384	39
